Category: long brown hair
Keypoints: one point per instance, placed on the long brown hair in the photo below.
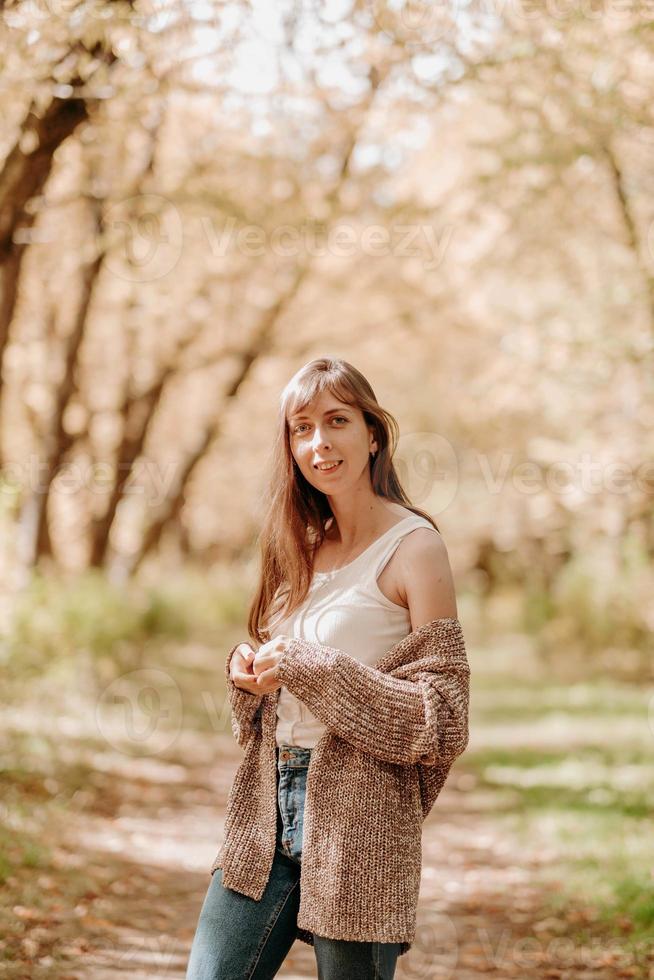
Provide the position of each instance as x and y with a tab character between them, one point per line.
294	523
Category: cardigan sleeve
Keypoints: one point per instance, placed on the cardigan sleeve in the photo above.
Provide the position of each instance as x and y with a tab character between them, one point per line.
243	705
418	718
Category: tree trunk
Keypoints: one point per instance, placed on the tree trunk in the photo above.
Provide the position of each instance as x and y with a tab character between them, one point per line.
631	227
23	177
35	512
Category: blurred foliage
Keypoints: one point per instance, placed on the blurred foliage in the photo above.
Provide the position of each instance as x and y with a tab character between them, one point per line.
590	609
176	249
59	622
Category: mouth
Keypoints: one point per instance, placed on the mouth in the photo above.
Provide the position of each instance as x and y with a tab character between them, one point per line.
328	469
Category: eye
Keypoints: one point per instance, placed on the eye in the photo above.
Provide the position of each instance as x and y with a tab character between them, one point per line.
336	418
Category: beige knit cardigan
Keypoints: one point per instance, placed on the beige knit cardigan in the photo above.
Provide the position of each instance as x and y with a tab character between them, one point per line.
394	730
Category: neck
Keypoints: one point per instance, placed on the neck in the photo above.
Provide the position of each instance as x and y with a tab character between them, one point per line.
356	518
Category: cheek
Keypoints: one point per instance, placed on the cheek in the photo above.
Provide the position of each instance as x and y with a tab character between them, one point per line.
352	444
301	455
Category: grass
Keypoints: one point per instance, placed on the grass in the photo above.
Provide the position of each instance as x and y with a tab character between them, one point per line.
504	696
20	850
582	786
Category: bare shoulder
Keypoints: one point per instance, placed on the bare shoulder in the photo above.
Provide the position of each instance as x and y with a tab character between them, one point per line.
421	550
424	576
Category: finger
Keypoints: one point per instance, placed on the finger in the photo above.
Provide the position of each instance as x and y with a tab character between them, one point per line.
261	663
241	662
268	675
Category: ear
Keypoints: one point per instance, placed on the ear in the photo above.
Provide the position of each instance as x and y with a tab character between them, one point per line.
373	442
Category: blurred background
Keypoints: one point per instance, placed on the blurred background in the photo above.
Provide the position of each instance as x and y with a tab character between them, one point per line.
196	198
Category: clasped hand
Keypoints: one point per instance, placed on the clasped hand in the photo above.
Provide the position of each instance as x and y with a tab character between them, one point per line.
257	672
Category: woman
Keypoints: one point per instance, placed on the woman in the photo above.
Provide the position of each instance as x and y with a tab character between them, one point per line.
350	713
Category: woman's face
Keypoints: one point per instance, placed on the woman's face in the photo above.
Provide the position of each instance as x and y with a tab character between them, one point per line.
327	430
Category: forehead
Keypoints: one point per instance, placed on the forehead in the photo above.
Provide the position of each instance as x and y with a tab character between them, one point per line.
322	404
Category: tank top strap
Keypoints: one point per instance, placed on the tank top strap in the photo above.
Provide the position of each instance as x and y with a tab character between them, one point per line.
391	541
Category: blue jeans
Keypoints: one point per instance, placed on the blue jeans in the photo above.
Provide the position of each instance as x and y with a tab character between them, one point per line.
238	938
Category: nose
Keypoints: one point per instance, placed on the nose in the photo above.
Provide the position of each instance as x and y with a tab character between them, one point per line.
319	441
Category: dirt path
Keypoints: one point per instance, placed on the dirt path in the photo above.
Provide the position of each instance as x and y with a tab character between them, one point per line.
144	856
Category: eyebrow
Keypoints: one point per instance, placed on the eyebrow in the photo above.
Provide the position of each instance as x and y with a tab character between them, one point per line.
330	411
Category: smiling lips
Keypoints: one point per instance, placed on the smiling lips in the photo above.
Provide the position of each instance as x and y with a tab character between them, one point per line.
328	466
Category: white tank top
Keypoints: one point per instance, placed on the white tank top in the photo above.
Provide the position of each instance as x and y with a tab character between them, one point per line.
345	609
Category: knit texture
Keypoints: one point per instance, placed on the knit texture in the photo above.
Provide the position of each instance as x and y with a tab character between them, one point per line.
394	730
